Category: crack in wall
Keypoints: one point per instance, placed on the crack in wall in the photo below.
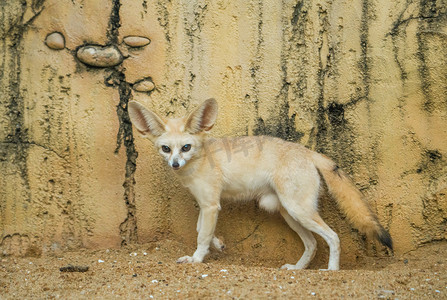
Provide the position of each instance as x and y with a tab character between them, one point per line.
128	228
247	236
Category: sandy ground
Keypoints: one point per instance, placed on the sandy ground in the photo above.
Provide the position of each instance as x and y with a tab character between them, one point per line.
149	272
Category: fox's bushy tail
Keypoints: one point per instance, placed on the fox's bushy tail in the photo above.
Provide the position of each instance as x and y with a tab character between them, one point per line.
350	200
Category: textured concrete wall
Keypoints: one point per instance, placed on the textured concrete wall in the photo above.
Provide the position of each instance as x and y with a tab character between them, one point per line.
364	82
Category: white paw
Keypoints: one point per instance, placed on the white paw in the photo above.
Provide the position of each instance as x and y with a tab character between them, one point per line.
218	244
329	269
288	267
186	260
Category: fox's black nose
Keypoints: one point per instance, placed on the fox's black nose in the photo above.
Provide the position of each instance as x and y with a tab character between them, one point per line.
175	165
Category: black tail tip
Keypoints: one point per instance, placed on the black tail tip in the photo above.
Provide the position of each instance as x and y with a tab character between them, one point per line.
385	238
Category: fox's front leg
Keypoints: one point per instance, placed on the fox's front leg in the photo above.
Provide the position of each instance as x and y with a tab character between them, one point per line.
205	227
216	242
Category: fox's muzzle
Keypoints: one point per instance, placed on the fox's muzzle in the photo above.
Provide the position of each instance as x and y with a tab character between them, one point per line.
176	163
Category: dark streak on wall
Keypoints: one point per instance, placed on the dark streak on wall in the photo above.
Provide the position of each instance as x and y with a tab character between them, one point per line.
256	62
428	13
280	124
15	146
432	162
14	149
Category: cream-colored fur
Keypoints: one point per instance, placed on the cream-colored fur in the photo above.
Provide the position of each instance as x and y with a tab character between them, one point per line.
282	176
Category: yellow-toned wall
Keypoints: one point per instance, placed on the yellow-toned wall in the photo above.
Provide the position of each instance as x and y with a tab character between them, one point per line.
364	82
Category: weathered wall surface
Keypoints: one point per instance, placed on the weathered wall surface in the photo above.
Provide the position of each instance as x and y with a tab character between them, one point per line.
364	82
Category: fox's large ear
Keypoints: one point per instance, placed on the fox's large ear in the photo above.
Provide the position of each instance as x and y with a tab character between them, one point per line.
144	120
203	118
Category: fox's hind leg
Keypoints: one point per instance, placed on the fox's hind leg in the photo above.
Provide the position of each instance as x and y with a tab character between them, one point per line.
312	221
310	244
300	199
316	224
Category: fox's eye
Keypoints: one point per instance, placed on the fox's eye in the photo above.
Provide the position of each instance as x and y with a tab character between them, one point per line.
165	149
186	148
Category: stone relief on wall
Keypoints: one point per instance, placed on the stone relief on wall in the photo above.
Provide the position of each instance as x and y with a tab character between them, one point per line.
104	56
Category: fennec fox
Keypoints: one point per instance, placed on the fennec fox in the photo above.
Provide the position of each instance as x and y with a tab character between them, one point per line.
282	176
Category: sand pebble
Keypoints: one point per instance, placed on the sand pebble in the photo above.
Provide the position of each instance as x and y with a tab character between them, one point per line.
99	56
136	41
55	41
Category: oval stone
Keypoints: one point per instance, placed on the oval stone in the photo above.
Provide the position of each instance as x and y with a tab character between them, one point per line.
136	41
100	56
55	41
145	85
